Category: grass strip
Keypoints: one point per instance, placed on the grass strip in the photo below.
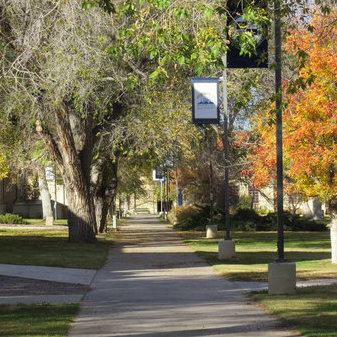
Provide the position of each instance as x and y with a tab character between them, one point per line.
38	320
312	311
41	222
254	250
46	247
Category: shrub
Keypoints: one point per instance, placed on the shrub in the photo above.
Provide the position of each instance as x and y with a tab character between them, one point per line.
171	217
192	217
246	219
9	218
196	217
245	202
295	222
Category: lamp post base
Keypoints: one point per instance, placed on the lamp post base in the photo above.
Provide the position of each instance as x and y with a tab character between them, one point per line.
211	231
226	249
281	278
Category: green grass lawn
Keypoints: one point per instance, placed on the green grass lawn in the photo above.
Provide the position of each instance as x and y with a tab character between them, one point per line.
41	222
254	250
47	247
37	320
312	311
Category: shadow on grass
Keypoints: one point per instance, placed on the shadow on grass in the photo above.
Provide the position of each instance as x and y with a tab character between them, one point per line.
312	310
250	258
53	251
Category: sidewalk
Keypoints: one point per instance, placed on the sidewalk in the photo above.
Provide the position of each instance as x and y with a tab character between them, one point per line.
38	284
154	286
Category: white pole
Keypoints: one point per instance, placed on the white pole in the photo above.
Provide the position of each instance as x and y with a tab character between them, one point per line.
161	196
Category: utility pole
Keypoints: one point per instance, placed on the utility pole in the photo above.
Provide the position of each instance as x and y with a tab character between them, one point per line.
226	146
226	247
281	274
279	141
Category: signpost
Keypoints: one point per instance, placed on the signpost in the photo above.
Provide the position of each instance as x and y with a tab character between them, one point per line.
158	176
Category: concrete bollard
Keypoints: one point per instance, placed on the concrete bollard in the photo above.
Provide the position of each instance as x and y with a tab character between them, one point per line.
211	231
49	221
281	278
226	249
114	222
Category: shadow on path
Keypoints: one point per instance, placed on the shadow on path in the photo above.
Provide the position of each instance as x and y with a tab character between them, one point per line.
155	286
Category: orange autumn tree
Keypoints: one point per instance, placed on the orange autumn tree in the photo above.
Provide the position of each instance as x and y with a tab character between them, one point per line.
309	120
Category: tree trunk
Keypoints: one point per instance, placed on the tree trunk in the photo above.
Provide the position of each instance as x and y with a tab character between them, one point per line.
80	217
105	182
72	151
47	210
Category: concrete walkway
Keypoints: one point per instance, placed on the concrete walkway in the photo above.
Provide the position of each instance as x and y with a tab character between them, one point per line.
154	286
56	274
30	277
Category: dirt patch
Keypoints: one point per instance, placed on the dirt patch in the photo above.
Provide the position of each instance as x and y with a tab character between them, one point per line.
18	286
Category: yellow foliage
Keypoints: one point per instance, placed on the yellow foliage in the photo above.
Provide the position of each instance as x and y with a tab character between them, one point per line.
3	167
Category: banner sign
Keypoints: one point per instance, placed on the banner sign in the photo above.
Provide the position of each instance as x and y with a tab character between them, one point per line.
205	100
158	175
236	25
49	170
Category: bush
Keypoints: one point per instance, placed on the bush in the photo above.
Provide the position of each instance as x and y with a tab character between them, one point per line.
192	217
195	217
295	222
11	219
171	217
247	219
245	202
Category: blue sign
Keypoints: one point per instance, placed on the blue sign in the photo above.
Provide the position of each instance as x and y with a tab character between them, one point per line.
180	197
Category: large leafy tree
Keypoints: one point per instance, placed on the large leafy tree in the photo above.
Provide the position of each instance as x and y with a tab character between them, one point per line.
310	124
78	70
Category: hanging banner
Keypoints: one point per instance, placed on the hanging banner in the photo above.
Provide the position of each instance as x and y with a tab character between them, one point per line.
236	25
205	100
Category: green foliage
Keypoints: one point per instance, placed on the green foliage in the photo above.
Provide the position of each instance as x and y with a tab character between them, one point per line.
192	217
245	202
249	219
172	217
187	35
3	166
245	219
295	222
9	218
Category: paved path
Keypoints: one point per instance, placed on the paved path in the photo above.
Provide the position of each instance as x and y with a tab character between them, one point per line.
56	274
154	286
39	284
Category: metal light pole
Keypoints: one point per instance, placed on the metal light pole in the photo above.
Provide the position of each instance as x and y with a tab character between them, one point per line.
281	274
226	147
211	192
161	197
279	146
226	247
